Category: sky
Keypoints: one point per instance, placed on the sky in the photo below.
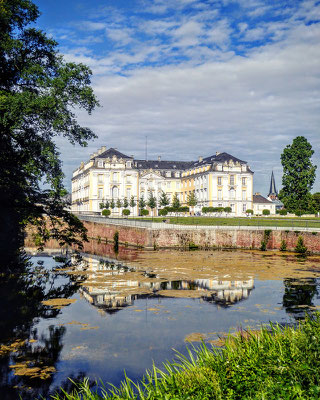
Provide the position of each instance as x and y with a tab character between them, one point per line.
195	77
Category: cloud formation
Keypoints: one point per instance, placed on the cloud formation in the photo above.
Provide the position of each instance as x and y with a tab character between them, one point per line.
200	76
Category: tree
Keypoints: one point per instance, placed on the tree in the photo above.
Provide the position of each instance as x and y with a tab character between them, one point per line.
112	204
152	201
316	201
132	202
125	202
176	202
107	204
119	204
38	93
298	175
192	200
142	203
164	199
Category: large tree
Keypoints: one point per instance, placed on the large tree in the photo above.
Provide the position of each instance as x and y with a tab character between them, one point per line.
38	93
298	175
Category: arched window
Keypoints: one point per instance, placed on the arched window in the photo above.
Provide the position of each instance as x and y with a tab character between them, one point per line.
115	192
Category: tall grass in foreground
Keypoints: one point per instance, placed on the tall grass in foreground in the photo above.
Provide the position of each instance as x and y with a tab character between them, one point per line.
272	363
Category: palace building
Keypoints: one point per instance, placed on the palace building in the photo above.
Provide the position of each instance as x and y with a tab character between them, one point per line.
220	180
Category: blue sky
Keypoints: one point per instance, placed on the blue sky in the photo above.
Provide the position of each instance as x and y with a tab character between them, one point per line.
195	76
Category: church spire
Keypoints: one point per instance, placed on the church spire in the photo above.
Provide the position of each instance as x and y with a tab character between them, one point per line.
273	194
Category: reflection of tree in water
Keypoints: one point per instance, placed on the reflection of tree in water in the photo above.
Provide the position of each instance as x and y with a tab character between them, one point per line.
299	295
23	288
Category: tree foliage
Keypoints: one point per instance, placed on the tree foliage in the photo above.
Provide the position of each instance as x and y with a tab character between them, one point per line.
132	202
164	199
142	202
298	175
176	202
152	201
192	200
38	93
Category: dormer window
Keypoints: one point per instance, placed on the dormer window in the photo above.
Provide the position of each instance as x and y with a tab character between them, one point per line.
100	164
128	164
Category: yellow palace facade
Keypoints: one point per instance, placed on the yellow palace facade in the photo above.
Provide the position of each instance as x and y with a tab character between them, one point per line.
219	181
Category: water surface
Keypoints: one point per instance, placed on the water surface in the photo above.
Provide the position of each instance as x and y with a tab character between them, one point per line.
127	312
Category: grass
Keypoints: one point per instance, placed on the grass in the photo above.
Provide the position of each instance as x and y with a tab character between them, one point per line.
272	363
272	222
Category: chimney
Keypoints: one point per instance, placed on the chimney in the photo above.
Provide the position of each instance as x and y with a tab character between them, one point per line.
100	151
217	153
94	155
200	158
103	148
159	158
257	194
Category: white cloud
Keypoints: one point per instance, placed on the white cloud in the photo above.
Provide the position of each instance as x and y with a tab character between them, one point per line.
201	96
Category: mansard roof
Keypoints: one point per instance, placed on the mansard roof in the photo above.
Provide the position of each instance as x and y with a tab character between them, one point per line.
219	157
156	164
110	153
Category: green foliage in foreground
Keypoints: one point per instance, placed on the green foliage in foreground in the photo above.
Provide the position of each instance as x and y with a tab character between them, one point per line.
272	363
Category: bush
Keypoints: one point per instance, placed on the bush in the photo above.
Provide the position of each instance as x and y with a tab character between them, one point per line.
300	247
283	212
249	211
163	212
283	245
266	212
106	213
144	212
227	209
298	213
183	209
125	212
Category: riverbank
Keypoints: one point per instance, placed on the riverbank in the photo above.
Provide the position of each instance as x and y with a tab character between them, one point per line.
273	362
148	235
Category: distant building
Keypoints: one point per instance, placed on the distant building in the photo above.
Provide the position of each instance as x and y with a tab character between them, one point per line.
273	194
260	203
220	180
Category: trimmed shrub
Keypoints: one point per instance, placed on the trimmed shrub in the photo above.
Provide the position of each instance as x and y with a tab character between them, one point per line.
283	212
144	212
266	212
283	245
300	247
106	212
183	209
227	209
125	212
163	212
249	211
298	213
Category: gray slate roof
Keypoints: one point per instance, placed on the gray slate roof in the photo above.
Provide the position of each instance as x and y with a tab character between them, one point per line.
178	165
257	198
112	152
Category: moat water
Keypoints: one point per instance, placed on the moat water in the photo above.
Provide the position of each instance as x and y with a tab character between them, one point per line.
99	316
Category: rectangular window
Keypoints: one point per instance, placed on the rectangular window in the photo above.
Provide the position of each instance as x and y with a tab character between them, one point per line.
128	194
244	207
100	193
100	178
231	179
178	185
219	180
219	194
169	184
244	195
100	164
244	181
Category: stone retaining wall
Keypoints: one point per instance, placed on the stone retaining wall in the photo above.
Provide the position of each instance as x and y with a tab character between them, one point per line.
204	238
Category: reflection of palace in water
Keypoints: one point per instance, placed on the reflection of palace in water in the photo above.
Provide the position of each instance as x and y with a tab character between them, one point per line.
117	290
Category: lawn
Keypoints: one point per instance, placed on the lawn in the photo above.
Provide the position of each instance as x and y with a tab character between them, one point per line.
255	221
